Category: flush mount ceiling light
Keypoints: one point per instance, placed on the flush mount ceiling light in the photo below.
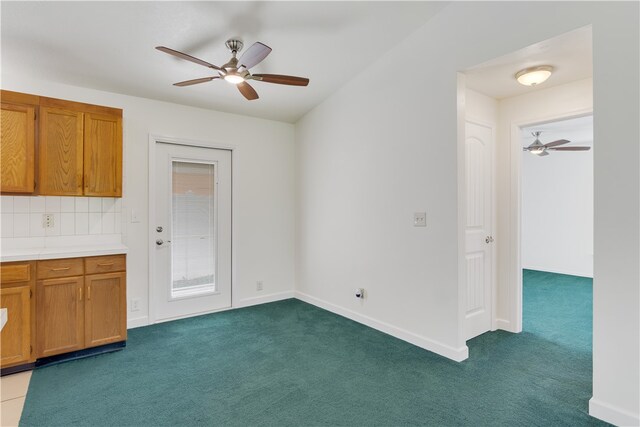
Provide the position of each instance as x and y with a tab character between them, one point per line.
534	75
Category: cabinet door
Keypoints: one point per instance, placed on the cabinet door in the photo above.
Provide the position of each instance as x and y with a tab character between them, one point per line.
105	309
16	334
102	155
59	316
17	148
61	152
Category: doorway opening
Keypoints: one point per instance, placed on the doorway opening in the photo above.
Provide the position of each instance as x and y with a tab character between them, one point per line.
491	95
557	230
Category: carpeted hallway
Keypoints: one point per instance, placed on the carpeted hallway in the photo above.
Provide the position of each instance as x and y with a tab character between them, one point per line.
290	363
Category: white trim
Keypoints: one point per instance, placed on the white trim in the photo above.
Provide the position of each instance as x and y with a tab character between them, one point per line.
612	414
461	104
264	299
456	354
504	325
153	139
556	271
137	322
514	240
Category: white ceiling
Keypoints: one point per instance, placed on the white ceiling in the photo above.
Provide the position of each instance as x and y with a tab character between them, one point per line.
110	46
570	54
577	130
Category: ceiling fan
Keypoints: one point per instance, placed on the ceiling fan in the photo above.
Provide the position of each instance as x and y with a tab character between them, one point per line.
236	71
540	149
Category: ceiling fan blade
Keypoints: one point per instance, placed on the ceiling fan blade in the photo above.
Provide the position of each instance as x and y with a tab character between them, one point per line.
195	81
248	91
254	55
571	149
556	143
281	80
187	57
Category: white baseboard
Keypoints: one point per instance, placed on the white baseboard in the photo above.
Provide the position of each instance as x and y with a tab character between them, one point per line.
137	322
588	274
611	414
144	321
263	299
456	354
504	325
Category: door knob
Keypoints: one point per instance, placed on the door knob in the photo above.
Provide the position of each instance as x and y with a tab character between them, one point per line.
159	242
159	229
489	239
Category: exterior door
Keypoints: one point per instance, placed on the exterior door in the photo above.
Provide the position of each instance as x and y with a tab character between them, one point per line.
478	230
192	234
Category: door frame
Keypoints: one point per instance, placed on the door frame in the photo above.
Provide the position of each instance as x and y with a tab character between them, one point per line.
493	220
153	140
514	240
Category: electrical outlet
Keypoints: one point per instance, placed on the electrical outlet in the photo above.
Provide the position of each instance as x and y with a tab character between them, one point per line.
47	220
420	219
135	304
259	285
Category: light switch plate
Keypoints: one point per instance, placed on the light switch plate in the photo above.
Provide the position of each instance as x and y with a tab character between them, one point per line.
420	219
135	216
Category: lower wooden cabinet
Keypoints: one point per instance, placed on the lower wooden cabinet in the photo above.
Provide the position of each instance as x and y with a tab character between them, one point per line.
59	316
50	315
17	286
105	319
16	334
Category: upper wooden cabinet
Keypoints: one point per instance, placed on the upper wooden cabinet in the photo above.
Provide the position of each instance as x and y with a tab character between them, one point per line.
61	152
18	147
75	148
102	155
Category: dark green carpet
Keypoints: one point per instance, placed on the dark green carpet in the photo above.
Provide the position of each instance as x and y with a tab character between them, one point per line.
290	363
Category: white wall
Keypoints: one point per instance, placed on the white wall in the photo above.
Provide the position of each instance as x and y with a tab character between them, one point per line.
263	194
381	148
557	210
480	107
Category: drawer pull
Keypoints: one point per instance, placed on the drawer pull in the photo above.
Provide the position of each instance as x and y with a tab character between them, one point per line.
88	293
60	269
80	290
105	264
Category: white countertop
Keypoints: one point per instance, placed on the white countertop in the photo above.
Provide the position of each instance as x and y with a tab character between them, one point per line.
28	254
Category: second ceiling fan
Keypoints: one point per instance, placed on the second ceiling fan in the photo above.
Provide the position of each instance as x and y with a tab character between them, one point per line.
540	149
236	70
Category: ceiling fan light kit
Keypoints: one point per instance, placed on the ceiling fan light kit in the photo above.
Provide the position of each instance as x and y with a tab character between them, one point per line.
539	149
534	75
236	71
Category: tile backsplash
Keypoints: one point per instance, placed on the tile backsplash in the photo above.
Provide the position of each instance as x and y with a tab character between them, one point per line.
23	216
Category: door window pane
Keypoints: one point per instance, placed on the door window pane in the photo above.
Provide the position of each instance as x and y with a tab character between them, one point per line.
193	228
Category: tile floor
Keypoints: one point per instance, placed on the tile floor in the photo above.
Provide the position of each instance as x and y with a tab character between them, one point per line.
13	389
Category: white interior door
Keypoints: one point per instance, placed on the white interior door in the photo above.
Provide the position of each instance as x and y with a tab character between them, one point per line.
478	233
192	234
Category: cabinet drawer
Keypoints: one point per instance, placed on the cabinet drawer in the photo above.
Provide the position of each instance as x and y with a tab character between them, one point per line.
60	268
18	272
105	264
